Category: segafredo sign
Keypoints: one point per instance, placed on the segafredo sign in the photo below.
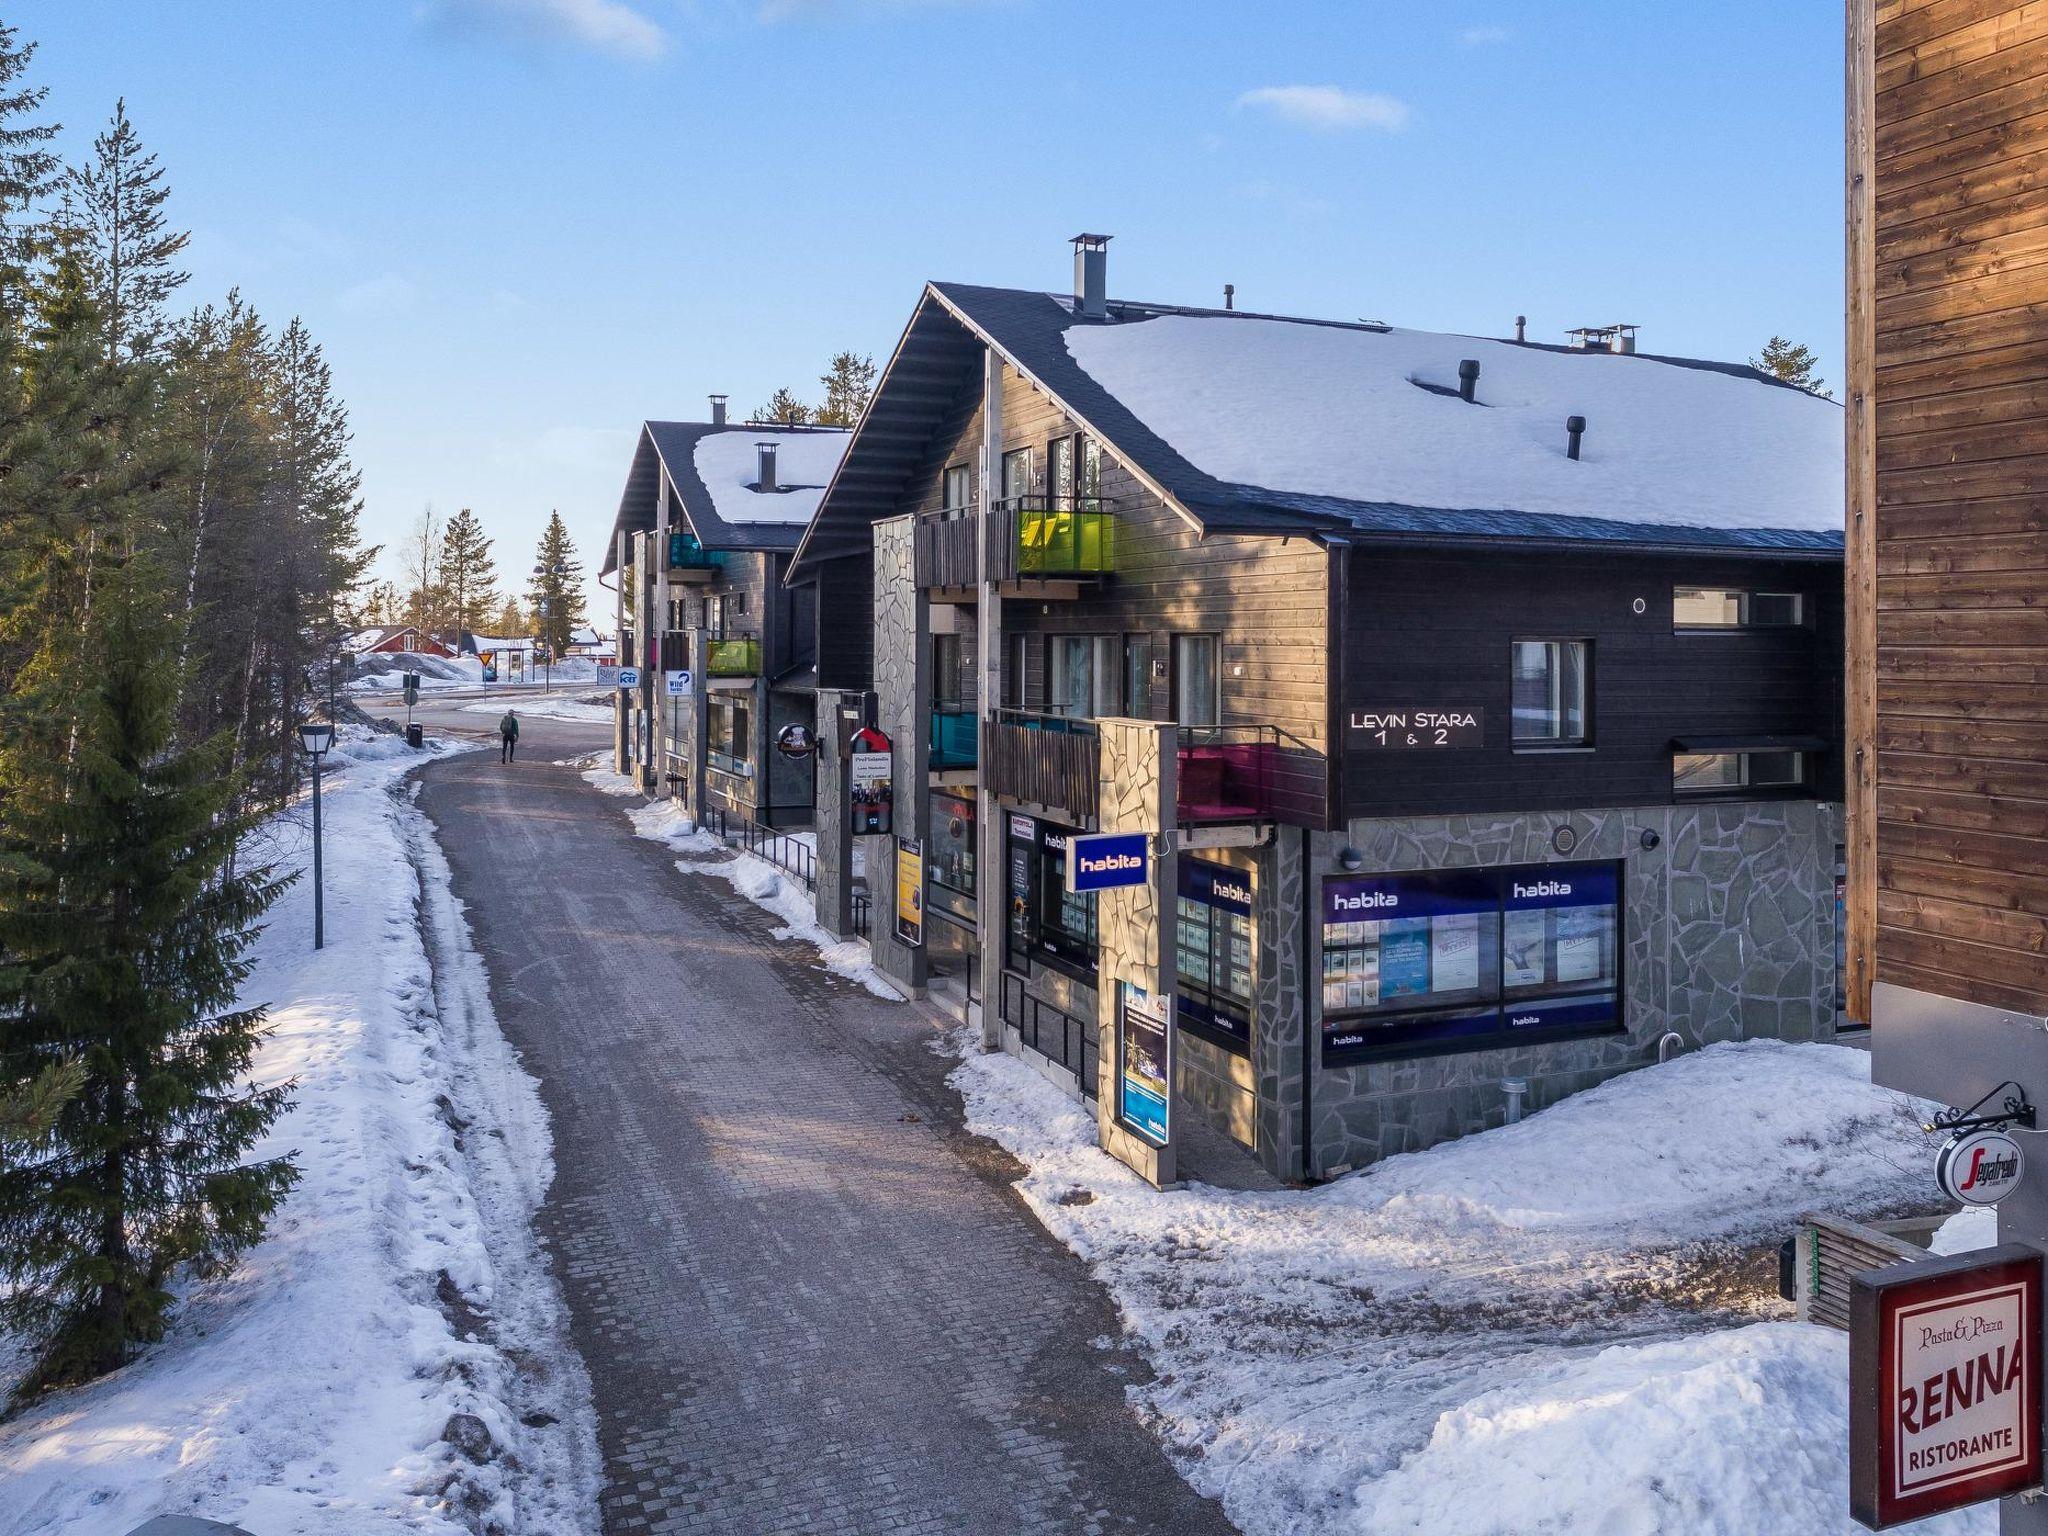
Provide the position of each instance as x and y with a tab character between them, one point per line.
1106	860
1944	1384
1979	1167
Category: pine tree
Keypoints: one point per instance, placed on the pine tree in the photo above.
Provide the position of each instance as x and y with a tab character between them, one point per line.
783	409
116	202
849	381
1794	364
421	554
511	621
125	942
468	574
29	168
556	593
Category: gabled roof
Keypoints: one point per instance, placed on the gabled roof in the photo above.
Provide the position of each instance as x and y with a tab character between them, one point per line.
711	474
1254	423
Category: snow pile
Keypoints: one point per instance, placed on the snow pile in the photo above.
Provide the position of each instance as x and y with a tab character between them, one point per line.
768	887
1457	1317
400	1283
545	707
1971	1228
385	672
730	469
1336	411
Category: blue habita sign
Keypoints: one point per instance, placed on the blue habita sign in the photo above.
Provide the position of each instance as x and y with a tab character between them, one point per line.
1104	861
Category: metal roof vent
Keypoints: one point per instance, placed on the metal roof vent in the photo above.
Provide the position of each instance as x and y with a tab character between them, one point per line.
718	410
1521	328
1574	429
1091	275
1620	337
1468	379
764	481
1230	295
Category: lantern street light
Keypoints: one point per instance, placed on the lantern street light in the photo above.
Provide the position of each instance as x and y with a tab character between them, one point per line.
548	681
316	736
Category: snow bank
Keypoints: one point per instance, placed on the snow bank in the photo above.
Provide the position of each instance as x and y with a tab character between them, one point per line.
1971	1228
543	708
1311	1345
384	672
729	467
766	886
400	1283
1333	411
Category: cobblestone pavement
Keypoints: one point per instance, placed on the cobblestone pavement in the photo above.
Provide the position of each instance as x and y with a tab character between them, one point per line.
809	1301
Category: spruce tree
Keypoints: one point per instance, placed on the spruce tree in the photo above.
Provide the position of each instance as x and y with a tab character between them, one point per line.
510	623
125	942
1792	363
468	574
29	168
116	201
556	594
848	381
783	409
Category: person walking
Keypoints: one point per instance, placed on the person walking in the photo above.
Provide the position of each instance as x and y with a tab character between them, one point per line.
508	736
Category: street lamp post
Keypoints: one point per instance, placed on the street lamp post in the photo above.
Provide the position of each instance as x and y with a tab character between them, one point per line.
316	736
548	682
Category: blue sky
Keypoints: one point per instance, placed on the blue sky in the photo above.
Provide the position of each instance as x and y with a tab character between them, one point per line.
519	227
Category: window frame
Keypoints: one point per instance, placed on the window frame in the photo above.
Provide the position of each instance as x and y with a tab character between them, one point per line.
1748	786
1211	1002
965	474
1745	622
1179	675
1583	742
737	710
1074	954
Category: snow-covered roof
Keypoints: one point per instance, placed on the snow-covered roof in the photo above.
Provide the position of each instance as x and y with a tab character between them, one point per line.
508	643
369	639
1368	415
712	472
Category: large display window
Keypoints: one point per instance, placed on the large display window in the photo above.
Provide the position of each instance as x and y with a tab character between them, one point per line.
949	856
1048	922
1468	959
1213	950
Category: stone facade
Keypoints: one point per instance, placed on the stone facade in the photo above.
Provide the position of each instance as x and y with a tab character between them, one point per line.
901	692
1729	935
832	893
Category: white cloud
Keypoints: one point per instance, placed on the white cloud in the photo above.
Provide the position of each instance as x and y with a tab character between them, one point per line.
1328	108
1483	37
379	295
603	26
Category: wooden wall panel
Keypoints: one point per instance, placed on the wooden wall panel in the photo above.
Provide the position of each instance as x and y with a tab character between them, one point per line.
1948	305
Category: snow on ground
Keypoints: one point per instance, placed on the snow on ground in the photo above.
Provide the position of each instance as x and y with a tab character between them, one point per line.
1542	1328
1332	411
772	889
308	1391
546	707
1973	1227
384	672
730	468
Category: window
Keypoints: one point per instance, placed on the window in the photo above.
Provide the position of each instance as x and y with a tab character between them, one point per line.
1047	921
1016	474
1732	608
1017	675
1091	475
1468	959
1197	681
729	736
958	487
949	855
721	611
1060	474
1081	677
1549	692
953	680
1710	773
1214	952
1138	676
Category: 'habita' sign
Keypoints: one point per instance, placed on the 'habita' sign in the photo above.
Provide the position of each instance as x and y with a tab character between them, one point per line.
1944	1384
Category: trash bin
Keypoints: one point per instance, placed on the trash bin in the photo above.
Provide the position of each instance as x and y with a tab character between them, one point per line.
415	735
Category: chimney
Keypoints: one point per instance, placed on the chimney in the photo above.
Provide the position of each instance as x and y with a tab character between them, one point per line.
1230	295
1091	275
1625	340
718	410
1468	378
765	452
1574	429
1522	328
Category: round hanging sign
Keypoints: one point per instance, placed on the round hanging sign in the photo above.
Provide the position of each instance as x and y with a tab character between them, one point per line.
795	740
1979	1167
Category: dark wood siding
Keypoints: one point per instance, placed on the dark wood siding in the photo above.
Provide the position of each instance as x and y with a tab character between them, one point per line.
1432	629
1264	598
844	612
1949	336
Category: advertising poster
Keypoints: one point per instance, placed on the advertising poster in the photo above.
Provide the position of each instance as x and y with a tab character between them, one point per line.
1522	943
1454	953
870	792
1404	957
910	891
1581	943
1145	1063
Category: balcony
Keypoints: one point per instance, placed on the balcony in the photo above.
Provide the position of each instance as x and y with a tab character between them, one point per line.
1226	773
1033	540
733	656
1045	760
691	562
953	737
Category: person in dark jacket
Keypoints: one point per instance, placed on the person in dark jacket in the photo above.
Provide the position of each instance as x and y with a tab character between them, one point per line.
508	736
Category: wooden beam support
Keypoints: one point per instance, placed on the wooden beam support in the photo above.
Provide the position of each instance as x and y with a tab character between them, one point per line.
1860	554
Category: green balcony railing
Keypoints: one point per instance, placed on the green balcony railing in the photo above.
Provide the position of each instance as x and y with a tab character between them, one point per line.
1063	536
686	554
954	736
736	656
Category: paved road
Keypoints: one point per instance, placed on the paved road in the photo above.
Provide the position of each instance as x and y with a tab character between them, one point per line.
540	738
808	1300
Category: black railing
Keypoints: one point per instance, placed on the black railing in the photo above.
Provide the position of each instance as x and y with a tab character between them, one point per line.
789	854
1052	1032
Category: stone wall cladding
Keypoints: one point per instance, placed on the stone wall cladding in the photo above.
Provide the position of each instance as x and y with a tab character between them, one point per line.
1730	935
900	695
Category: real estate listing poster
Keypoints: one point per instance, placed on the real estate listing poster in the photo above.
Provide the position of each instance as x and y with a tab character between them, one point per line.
1454	952
1581	943
1404	957
1524	939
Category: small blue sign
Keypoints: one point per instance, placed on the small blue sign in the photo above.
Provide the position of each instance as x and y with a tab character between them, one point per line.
629	677
1107	860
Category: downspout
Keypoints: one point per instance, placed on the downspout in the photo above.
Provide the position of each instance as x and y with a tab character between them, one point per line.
1308	1042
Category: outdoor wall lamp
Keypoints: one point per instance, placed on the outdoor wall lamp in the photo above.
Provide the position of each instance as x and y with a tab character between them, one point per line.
1351	859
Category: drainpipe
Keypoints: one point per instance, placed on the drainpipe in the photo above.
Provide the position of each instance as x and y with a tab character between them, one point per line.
1308	1042
1515	1088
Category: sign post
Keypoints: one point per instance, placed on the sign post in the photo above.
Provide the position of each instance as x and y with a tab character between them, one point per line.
1144	1057
1944	1384
677	683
